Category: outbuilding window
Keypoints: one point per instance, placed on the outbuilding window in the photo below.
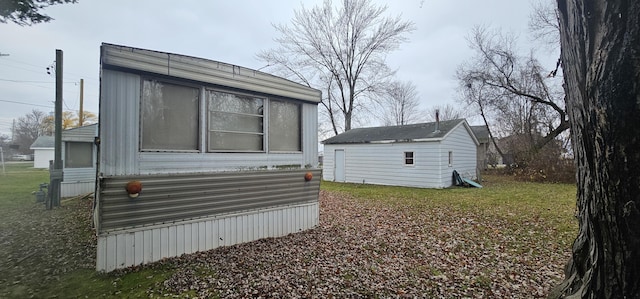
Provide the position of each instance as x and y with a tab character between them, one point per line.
408	158
450	158
169	117
78	155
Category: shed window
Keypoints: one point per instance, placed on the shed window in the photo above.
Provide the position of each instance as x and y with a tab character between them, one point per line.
235	122
169	117
284	126
450	158
78	155
408	158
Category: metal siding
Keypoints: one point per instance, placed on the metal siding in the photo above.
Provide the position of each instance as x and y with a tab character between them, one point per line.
76	188
119	106
464	150
328	163
158	163
176	197
310	134
81	134
383	164
204	70
125	248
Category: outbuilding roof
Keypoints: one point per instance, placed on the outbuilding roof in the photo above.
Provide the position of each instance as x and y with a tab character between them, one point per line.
405	133
481	132
44	142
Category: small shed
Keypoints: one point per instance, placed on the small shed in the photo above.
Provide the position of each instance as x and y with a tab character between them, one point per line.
43	151
79	154
195	154
418	155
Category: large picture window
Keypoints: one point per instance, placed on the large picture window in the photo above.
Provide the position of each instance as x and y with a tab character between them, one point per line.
78	155
235	122
284	126
169	117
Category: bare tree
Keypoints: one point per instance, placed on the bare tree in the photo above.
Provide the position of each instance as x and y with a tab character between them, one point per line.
28	128
600	42
399	105
515	90
445	112
340	50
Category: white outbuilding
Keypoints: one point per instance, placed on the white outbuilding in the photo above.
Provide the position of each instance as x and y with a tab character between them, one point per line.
418	155
79	154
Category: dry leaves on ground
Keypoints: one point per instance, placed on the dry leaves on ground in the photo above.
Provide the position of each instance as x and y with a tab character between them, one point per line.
364	249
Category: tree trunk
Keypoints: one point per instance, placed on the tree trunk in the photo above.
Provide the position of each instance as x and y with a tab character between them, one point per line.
600	42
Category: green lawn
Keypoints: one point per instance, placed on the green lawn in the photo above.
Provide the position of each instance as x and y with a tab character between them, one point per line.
546	208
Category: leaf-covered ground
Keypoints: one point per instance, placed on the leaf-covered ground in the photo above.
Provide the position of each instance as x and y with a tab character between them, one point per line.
361	249
367	249
38	247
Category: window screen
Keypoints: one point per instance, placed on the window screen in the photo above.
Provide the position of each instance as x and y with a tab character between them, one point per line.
408	158
78	155
235	122
169	117
284	126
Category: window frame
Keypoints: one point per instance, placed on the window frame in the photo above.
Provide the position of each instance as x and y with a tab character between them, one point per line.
198	143
450	158
67	152
265	108
300	123
407	158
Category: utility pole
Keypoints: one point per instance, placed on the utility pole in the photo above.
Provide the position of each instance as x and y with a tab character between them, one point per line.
56	173
81	112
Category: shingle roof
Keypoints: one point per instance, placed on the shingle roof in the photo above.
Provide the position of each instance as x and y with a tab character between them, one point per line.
481	132
44	142
395	133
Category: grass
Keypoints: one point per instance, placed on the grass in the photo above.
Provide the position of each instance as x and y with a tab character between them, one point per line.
518	204
17	183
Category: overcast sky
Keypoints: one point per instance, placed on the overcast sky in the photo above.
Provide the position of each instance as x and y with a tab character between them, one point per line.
227	31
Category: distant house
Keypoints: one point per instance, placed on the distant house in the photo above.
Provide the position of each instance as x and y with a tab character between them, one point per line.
419	155
43	151
79	154
482	134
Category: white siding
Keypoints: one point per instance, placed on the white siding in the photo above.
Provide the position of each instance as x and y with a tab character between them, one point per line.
460	142
383	164
76	188
134	247
41	157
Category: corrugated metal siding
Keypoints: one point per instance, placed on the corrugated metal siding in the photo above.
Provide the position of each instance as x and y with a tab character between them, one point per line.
72	175
169	198
460	142
119	116
204	70
129	248
81	134
77	188
310	134
383	164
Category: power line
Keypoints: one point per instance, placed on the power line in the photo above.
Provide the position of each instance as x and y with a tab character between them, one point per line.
15	102
25	81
